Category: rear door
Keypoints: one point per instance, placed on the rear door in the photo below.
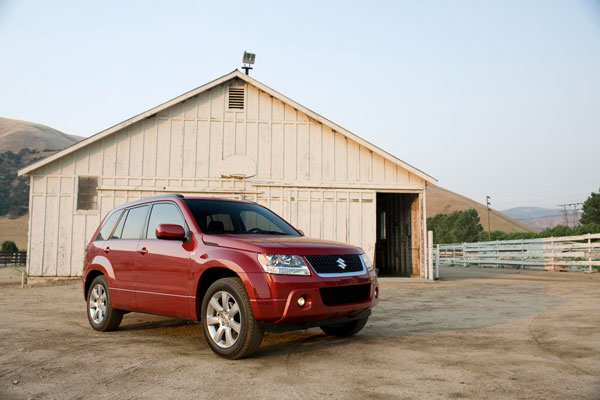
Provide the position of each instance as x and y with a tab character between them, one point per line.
163	266
121	250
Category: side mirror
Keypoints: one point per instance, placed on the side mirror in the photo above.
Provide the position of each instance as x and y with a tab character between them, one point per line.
170	232
300	231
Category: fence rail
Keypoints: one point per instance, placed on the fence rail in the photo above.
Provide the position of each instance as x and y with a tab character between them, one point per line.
12	258
557	253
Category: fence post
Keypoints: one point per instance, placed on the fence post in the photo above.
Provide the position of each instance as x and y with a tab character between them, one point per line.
589	240
437	261
430	274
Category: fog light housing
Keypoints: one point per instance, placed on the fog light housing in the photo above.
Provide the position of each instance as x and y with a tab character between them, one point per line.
301	301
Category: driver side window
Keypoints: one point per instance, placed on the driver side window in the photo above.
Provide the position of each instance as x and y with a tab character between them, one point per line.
163	213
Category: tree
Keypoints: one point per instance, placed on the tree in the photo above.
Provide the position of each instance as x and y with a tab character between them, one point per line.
457	227
591	210
9	246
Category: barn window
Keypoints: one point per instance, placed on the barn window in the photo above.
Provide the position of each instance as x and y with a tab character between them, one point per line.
87	193
236	98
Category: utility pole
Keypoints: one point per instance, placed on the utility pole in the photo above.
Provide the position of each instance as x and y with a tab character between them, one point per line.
565	210
565	213
487	204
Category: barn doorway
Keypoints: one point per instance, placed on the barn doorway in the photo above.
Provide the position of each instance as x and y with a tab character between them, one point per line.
397	245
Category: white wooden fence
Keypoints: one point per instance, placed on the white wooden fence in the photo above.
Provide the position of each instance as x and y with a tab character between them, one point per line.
556	253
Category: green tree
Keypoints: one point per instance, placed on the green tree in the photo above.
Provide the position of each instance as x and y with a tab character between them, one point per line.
457	227
9	246
591	209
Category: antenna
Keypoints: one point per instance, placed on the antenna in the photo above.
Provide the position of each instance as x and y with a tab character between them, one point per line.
248	60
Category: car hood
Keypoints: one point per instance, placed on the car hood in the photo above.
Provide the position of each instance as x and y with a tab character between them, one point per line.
276	244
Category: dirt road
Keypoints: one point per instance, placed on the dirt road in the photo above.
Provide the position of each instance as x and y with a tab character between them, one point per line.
477	334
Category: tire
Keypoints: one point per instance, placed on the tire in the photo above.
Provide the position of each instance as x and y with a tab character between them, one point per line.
102	316
345	330
228	323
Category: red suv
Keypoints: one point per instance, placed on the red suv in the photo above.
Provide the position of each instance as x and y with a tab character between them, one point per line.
235	266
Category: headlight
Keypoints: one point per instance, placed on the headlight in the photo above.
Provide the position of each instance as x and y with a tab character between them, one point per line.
283	264
366	262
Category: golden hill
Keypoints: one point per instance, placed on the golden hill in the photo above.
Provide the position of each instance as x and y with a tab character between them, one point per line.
16	135
443	201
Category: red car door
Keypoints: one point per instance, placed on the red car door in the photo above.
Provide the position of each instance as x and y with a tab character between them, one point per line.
121	250
163	266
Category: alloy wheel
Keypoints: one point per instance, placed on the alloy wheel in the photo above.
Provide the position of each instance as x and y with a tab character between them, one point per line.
97	304
223	319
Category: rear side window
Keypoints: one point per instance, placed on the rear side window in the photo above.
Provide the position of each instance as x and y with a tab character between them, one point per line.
163	213
119	229
134	223
108	226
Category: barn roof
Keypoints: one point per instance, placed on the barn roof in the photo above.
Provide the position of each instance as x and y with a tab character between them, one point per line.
234	74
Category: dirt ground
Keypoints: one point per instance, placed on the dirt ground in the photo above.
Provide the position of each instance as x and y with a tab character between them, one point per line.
477	334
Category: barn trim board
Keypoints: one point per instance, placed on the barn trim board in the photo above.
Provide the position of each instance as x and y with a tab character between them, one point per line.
263	147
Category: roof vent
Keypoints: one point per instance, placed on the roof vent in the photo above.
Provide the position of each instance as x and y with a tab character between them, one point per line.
236	98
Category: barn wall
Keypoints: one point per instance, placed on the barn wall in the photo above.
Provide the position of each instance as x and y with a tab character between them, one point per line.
316	178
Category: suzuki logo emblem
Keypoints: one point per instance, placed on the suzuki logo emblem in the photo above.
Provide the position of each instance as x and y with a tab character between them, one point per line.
341	263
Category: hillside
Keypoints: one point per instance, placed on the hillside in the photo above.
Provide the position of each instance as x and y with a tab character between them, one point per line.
16	135
440	200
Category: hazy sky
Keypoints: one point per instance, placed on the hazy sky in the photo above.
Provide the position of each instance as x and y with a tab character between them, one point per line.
498	98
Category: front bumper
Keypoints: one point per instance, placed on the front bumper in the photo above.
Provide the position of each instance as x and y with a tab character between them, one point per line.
282	308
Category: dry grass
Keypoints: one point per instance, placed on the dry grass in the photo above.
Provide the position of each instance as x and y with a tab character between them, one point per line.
16	135
15	230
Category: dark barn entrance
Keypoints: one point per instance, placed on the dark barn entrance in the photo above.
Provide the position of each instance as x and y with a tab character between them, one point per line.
397	246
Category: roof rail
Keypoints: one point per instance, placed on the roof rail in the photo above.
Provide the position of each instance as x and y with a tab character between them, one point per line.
159	196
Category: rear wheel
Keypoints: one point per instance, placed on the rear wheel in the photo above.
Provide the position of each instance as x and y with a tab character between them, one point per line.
100	313
228	323
347	329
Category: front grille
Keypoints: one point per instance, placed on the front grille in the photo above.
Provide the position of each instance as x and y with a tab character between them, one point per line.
334	296
331	265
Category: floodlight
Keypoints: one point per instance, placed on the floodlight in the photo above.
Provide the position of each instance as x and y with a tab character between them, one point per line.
248	58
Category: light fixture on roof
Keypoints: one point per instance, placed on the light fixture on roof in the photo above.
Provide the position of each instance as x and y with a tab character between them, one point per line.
248	60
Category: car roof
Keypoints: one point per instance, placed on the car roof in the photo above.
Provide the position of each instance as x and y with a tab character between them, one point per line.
172	196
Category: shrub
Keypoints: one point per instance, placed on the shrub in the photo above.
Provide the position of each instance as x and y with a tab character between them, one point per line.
9	246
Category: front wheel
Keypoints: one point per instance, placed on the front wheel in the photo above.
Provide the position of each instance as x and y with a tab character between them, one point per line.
347	329
228	323
100	313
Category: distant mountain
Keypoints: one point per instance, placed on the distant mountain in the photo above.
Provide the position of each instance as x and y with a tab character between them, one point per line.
542	223
16	135
523	213
444	201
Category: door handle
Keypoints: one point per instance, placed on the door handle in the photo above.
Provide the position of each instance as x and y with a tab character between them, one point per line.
143	250
107	249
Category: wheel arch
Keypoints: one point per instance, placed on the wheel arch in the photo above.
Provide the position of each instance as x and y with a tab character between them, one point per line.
91	275
207	278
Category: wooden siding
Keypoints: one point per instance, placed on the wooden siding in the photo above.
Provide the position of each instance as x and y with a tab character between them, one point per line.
316	178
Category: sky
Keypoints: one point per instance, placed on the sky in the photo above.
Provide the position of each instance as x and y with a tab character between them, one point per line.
498	98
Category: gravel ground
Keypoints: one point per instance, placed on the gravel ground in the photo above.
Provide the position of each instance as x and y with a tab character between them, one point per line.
476	334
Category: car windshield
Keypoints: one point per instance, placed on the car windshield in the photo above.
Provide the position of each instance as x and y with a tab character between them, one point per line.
232	217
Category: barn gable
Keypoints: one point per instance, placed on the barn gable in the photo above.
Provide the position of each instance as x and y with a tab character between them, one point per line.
263	105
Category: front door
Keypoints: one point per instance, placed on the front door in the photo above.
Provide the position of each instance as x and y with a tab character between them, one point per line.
163	266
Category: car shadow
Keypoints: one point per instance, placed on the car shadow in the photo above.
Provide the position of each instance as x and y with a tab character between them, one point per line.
155	323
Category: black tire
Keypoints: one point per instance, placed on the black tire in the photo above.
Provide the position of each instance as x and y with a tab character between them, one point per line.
347	329
251	332
111	317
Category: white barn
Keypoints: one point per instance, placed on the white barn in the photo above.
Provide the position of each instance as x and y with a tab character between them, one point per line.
233	137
